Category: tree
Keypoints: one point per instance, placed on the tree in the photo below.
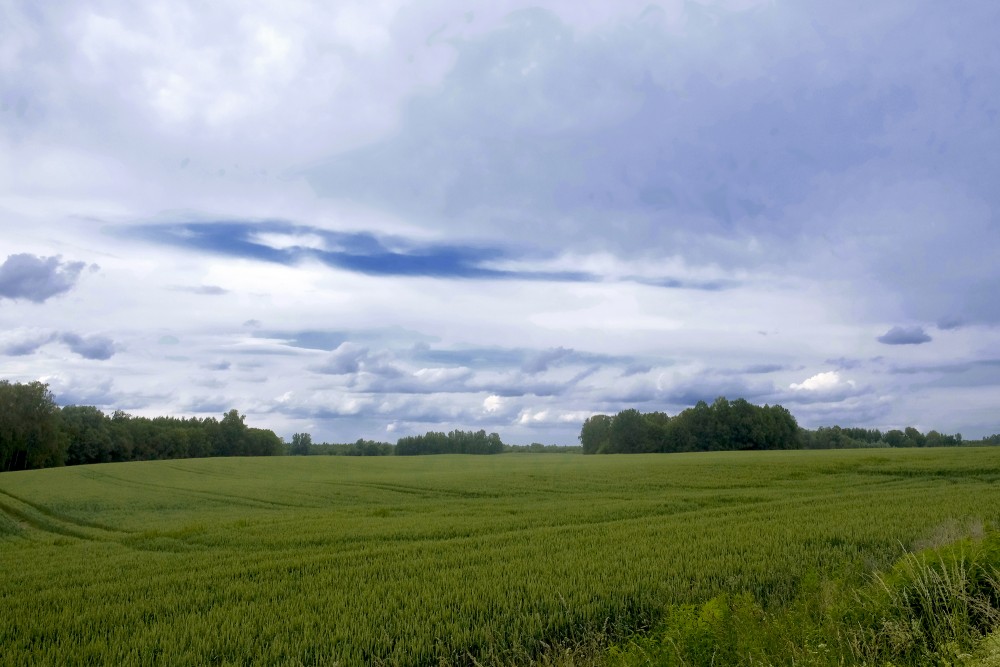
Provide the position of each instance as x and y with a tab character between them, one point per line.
630	432
232	435
724	425
121	436
915	437
301	442
29	427
88	434
595	434
895	438
263	442
658	430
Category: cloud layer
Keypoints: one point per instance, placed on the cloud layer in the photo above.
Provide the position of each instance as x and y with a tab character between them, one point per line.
367	219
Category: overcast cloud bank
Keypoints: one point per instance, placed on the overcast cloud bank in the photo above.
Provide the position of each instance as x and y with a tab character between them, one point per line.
366	219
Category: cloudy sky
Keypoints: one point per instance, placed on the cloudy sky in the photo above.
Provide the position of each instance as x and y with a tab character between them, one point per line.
373	218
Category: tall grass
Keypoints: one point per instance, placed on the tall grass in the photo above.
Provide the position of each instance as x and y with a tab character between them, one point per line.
939	606
933	607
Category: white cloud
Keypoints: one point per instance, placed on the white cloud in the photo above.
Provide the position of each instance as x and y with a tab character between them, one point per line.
493	403
822	382
548	416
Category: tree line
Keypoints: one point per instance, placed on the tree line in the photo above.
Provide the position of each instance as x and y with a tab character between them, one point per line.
454	442
835	437
37	433
302	445
432	442
723	425
739	425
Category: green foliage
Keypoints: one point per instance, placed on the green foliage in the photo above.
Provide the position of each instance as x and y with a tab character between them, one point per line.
89	434
361	447
455	442
35	433
736	425
456	560
931	607
539	448
723	426
29	427
940	606
835	437
595	435
301	444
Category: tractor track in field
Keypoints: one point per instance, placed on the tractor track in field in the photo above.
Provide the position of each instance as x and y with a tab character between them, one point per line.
31	515
229	498
28	516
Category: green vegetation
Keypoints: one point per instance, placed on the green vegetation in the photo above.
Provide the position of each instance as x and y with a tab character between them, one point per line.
738	425
455	442
723	426
766	557
36	433
302	445
937	607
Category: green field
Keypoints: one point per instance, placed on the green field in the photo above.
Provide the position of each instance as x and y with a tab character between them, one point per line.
421	560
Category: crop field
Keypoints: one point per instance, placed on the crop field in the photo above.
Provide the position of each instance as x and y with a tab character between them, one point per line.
453	559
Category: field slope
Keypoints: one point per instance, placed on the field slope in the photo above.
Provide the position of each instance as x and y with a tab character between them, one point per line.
319	560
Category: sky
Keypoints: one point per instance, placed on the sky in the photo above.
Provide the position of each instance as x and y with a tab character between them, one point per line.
378	218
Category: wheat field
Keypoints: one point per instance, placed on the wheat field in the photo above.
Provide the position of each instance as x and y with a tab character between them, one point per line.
441	559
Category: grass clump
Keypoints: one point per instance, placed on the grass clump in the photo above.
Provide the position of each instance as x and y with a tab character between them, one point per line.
933	607
938	606
736	630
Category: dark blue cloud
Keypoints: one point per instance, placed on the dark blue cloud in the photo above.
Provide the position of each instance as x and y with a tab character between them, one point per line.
360	252
905	336
37	279
682	283
370	254
27	345
95	347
